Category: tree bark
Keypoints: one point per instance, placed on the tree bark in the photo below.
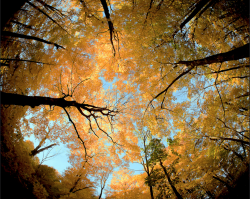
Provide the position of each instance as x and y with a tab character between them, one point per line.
39	145
74	186
170	182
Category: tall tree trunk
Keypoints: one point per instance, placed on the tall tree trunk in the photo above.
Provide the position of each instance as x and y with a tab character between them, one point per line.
110	24
76	182
170	181
12	34
238	53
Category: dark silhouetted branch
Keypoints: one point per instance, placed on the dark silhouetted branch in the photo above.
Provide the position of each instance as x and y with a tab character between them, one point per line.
12	34
110	24
24	60
238	53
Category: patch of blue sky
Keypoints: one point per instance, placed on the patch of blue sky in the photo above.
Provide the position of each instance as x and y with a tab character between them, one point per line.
136	167
57	157
107	84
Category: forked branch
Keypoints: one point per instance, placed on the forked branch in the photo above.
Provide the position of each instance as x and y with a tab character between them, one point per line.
33	101
235	54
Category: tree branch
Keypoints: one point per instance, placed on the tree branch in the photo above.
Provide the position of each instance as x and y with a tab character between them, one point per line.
238	53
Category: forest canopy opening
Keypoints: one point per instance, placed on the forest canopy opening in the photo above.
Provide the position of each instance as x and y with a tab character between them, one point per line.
178	104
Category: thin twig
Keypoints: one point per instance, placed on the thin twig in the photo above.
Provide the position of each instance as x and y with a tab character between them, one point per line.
219	93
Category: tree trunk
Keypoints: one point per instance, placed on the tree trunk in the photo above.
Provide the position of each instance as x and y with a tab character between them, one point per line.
32	101
36	151
151	192
23	60
238	53
146	166
12	34
170	182
37	8
100	196
39	145
231	139
198	7
110	24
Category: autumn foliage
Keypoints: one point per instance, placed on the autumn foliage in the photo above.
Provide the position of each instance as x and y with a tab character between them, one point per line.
163	84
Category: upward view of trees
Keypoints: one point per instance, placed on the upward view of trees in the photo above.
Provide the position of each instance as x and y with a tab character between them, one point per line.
178	103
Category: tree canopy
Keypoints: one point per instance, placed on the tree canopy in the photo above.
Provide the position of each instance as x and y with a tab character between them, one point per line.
178	100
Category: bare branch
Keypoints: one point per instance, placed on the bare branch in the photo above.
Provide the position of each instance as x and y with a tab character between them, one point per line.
76	132
220	94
